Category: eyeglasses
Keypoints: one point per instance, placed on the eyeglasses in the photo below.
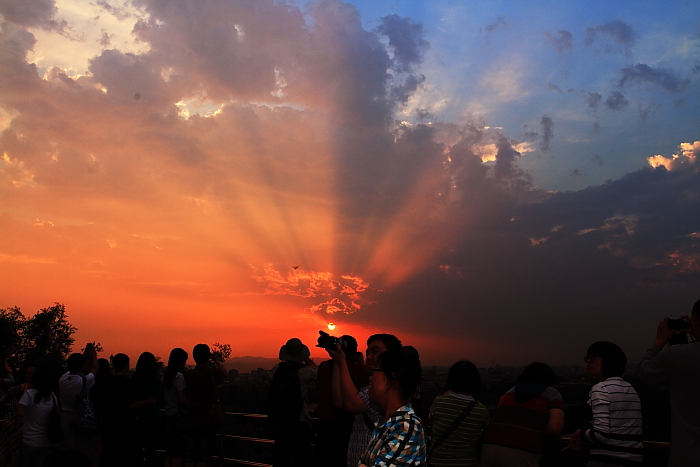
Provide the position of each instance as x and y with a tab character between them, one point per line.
589	358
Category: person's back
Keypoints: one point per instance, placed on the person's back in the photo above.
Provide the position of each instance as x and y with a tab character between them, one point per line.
460	447
458	419
117	395
678	368
200	386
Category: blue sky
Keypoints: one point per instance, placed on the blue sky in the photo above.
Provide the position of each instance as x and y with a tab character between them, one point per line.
472	43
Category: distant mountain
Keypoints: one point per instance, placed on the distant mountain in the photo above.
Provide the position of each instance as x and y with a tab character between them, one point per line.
248	364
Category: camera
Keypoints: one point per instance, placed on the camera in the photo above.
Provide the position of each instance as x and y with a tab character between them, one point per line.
678	325
326	341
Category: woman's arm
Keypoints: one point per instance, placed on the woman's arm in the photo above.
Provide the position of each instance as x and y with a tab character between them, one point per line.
555	423
352	402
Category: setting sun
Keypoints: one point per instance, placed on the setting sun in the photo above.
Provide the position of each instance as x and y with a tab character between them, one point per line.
331	326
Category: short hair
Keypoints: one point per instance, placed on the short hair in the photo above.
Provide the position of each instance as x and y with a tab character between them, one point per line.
120	361
613	359
402	368
539	373
75	362
201	353
390	341
696	310
464	377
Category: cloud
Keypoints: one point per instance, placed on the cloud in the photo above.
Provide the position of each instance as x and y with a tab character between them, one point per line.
562	41
646	111
547	132
328	294
597	160
616	101
405	39
642	73
688	155
592	99
500	23
31	13
617	31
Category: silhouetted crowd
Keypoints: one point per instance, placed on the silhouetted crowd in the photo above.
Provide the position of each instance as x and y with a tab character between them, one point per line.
373	410
93	415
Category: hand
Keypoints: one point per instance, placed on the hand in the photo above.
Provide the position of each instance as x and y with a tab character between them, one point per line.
663	334
575	441
337	353
151	400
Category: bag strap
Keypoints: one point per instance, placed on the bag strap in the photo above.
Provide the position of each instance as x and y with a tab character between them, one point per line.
446	434
84	394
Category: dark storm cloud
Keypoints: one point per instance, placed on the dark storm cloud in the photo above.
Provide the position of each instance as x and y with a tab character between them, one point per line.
405	39
643	73
616	256
617	31
616	101
547	132
562	41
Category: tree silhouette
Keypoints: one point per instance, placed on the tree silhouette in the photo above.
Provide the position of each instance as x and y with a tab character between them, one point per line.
46	336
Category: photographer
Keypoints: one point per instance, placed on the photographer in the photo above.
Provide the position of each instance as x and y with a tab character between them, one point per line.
335	425
678	367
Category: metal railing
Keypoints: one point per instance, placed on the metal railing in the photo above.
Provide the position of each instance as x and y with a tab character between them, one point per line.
222	460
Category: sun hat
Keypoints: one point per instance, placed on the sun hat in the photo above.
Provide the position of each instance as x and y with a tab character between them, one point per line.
294	351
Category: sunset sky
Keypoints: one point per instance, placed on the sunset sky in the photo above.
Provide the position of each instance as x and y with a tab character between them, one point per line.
501	181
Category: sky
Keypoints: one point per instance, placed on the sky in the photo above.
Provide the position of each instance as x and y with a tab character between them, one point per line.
498	181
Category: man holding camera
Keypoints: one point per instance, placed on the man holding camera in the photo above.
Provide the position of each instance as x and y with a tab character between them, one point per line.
678	367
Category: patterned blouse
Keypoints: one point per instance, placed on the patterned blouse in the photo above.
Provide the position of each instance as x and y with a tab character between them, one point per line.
398	442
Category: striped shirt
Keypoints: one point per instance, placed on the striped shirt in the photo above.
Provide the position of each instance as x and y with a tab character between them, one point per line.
459	449
400	441
361	433
617	423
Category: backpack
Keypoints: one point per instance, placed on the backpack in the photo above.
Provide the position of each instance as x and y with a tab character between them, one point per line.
84	419
284	401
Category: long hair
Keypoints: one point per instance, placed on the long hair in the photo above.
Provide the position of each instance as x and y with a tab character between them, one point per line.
176	362
146	369
43	379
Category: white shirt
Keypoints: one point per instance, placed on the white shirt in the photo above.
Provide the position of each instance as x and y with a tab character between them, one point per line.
71	386
172	399
36	419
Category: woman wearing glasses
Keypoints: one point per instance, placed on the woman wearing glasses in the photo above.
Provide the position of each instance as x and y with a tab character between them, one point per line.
398	439
616	436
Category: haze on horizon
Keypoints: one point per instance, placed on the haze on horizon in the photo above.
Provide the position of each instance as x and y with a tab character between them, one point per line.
498	181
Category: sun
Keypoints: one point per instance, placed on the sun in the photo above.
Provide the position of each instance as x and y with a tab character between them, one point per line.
331	326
